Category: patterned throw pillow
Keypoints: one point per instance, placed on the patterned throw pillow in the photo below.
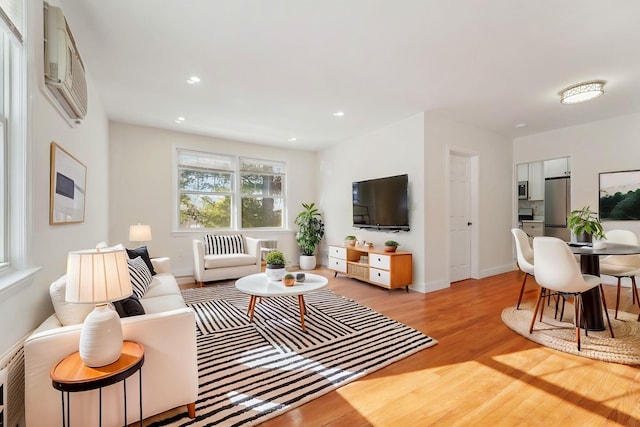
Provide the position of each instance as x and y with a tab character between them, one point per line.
223	244
140	276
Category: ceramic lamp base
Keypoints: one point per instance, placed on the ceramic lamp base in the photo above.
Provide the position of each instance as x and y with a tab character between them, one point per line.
101	337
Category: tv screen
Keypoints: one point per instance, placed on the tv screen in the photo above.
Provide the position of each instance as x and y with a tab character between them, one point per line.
381	204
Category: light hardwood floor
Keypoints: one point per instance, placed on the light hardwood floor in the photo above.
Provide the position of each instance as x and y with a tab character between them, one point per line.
480	373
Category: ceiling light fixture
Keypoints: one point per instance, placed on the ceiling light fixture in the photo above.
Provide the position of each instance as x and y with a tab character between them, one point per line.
582	92
180	119
338	114
193	80
292	139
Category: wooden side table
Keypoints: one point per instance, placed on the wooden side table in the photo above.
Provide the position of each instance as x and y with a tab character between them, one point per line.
71	375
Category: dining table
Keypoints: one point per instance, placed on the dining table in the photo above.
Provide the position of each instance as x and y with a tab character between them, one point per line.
590	264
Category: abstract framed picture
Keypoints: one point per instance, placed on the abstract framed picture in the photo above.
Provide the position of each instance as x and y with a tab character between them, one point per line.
68	188
619	198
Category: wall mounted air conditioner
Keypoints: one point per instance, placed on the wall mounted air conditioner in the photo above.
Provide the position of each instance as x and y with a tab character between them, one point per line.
64	74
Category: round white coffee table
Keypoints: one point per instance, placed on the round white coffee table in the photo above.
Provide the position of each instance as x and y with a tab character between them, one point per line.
258	285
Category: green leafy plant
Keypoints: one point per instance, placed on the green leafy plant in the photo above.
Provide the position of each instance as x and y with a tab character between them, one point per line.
275	258
585	221
350	238
310	229
391	243
289	276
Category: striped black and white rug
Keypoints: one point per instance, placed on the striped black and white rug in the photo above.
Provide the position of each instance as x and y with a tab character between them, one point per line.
250	372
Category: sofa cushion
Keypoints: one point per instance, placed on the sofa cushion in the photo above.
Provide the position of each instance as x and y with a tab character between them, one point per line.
140	276
162	284
229	260
144	254
215	244
129	307
162	304
68	313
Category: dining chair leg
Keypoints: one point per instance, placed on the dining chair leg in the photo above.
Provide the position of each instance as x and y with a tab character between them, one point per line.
606	312
544	292
535	311
522	290
617	299
634	290
577	304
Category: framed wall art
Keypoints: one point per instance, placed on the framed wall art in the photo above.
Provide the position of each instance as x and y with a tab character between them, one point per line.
68	187
619	197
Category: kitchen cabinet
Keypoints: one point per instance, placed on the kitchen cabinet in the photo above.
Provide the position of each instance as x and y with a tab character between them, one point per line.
557	167
536	181
533	228
523	172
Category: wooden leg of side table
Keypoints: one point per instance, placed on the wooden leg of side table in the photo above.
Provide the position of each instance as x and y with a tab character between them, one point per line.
252	304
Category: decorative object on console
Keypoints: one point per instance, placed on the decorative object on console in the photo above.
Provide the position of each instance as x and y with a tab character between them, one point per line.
275	265
140	233
67	191
99	277
289	279
310	232
585	225
582	92
391	246
350	240
300	277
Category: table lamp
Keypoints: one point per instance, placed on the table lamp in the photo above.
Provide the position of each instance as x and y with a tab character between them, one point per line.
99	277
140	233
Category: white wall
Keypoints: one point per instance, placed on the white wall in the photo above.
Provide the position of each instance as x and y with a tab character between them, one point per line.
602	146
22	308
419	146
393	150
141	190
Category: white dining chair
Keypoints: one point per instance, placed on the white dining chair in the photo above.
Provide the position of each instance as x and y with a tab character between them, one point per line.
621	266
524	255
555	269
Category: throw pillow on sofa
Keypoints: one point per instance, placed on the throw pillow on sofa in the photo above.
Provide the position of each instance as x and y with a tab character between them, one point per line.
68	313
142	252
217	244
129	307
140	276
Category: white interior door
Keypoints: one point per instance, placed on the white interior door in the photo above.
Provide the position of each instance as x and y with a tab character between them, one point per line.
459	217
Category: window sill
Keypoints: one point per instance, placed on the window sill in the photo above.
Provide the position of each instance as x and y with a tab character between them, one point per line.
12	278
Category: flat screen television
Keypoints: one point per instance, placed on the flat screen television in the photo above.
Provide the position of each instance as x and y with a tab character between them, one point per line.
381	204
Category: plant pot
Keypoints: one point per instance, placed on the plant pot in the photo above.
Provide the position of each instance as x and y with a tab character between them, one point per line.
307	262
275	272
390	248
584	238
289	282
350	242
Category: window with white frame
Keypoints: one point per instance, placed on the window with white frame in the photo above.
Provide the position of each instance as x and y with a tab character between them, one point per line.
12	135
218	191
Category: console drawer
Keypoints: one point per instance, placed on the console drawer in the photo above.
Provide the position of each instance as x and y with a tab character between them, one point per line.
380	261
338	252
337	264
379	276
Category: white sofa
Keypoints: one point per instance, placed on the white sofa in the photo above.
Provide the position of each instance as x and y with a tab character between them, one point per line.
167	331
209	267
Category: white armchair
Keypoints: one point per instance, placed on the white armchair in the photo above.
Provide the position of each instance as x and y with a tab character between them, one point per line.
210	267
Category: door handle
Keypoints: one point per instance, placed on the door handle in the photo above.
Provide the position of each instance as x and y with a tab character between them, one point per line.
469	223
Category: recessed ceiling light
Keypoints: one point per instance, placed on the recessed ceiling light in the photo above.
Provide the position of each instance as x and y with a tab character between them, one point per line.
180	119
292	139
193	80
338	114
582	92
521	125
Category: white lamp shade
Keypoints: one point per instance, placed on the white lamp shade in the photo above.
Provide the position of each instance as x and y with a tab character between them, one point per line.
97	277
140	233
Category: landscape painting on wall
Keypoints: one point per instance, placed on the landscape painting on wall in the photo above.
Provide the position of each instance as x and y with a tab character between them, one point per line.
620	196
68	181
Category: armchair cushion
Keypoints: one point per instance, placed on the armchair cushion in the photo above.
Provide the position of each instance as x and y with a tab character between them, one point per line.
228	260
216	244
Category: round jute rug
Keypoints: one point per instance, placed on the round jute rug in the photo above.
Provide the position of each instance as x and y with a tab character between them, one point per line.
561	335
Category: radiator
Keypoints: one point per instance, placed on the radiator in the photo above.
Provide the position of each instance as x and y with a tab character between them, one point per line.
12	385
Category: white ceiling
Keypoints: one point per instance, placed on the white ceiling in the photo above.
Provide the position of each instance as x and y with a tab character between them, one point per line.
276	69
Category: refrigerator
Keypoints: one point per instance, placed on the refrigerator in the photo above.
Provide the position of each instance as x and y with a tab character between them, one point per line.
557	204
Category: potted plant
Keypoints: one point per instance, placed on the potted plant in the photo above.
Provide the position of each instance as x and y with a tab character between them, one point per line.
350	240
391	246
289	279
585	225
275	265
310	232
